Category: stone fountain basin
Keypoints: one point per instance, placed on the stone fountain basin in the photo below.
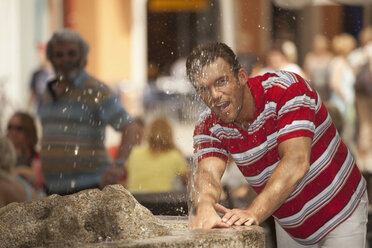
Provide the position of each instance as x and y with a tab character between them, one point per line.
111	217
182	237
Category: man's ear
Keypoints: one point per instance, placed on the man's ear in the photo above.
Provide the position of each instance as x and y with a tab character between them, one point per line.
242	76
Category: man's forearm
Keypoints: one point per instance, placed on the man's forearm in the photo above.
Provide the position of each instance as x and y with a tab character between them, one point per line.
207	189
279	187
128	140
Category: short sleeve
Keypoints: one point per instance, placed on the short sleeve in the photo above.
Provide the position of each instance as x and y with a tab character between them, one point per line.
206	144
113	113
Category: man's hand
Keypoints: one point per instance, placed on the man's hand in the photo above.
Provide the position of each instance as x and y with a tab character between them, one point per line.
206	218
236	216
112	175
206	192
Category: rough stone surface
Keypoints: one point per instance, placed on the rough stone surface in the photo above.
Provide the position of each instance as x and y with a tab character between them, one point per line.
109	218
182	237
87	217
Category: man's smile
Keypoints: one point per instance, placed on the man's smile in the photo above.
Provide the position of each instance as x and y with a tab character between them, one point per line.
223	106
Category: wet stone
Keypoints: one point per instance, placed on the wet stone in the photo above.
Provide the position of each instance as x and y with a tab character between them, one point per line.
89	216
109	218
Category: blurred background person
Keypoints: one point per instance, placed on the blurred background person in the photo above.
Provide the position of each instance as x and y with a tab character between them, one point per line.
336	116
316	64
12	188
282	57
342	80
113	150
157	166
22	132
75	112
39	79
360	55
361	61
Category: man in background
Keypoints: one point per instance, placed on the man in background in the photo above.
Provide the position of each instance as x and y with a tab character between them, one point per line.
74	114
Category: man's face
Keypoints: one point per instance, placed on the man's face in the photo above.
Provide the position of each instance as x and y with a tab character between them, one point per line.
66	58
221	91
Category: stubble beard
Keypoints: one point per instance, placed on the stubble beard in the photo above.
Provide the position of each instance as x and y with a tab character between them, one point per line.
69	75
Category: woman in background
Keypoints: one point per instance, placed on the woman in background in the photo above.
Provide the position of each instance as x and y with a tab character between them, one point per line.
342	80
21	131
156	166
316	65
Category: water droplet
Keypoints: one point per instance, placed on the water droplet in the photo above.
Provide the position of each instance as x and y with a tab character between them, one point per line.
76	151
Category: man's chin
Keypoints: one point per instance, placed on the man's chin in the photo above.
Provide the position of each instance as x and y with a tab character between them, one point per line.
68	76
226	118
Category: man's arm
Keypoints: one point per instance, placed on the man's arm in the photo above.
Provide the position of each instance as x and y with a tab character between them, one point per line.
206	192
129	137
293	166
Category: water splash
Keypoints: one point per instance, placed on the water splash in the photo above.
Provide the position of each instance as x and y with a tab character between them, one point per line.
76	151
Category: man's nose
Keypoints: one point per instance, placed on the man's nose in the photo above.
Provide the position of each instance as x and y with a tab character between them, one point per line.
215	94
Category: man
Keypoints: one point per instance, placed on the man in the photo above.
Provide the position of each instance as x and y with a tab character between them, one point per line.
284	142
75	112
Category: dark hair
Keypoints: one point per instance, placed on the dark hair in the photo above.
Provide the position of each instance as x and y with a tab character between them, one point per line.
29	127
206	54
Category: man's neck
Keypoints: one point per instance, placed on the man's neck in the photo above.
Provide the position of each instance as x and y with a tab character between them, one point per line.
61	87
246	115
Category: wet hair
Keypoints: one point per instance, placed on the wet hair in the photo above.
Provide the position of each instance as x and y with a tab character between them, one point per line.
8	156
29	129
67	35
160	136
206	54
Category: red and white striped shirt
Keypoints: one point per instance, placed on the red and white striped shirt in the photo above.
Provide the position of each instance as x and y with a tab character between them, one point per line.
287	106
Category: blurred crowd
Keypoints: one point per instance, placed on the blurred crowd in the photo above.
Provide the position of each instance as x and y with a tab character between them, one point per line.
68	107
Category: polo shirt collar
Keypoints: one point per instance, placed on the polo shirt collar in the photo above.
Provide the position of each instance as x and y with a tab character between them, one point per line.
81	78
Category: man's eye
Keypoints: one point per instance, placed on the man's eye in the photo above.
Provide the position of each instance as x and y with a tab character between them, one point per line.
58	54
72	53
222	82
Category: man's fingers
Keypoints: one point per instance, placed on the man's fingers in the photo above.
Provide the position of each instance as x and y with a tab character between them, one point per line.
233	218
220	208
222	224
249	222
